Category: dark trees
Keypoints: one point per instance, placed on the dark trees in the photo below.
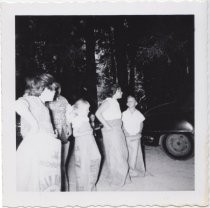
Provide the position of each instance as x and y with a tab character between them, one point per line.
149	56
120	52
91	81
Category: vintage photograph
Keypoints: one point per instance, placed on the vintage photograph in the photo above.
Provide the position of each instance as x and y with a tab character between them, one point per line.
104	103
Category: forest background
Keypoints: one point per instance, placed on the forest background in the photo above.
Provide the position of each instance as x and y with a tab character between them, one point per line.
150	56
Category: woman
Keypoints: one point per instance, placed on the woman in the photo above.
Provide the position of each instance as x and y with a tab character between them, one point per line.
116	153
38	156
59	108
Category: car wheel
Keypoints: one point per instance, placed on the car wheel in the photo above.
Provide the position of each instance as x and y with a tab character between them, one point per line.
178	146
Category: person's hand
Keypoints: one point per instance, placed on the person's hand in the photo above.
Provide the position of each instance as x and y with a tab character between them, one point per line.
64	141
56	133
69	132
126	133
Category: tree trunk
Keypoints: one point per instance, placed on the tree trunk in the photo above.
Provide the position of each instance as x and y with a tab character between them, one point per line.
120	52
131	56
132	79
91	79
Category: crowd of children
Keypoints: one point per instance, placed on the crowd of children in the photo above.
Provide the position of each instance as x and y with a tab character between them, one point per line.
121	134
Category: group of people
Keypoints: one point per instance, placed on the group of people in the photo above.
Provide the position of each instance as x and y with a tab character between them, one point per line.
47	122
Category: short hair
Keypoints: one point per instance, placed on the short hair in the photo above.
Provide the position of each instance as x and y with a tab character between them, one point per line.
47	80
113	89
36	84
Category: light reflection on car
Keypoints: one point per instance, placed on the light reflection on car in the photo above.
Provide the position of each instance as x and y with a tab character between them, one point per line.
171	125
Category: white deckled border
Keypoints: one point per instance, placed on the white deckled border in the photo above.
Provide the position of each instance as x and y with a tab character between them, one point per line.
197	198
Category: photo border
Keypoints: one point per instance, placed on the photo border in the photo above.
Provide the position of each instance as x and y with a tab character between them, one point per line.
11	198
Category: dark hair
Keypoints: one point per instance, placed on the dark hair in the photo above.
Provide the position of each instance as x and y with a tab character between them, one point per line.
47	80
113	89
35	85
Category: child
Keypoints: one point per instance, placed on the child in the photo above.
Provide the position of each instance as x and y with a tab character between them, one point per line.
132	126
116	152
87	156
58	108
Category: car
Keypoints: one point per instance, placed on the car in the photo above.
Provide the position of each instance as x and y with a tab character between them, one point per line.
171	125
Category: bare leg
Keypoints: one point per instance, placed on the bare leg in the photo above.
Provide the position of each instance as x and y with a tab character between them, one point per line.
65	155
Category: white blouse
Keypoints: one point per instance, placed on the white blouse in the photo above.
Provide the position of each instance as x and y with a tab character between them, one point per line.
113	111
132	121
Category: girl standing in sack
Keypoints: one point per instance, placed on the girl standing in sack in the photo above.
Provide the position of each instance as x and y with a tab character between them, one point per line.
59	108
116	153
87	156
38	156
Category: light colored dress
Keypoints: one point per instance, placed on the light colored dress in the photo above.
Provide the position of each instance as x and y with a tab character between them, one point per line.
86	155
38	156
116	153
131	124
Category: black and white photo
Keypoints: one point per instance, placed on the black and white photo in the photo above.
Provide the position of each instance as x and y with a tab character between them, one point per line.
143	62
104	104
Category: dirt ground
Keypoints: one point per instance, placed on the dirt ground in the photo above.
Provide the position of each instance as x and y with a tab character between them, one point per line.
162	174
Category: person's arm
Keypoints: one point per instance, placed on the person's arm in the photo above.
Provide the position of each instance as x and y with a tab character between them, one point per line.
22	108
125	132
69	114
99	115
123	126
69	109
142	118
141	127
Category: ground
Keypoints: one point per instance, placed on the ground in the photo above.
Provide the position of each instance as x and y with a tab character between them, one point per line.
162	174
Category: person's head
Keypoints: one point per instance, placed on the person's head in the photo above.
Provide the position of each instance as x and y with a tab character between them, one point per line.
131	101
82	107
29	83
57	88
115	91
92	117
41	85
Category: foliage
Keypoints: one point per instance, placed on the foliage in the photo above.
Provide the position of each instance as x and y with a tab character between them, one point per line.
148	54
